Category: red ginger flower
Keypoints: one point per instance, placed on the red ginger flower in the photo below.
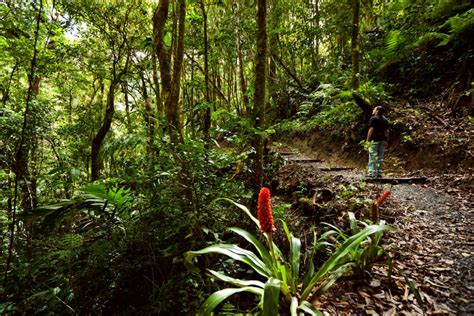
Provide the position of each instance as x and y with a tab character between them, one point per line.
382	198
265	217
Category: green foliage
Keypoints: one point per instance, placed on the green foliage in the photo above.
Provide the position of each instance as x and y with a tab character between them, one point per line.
418	49
342	114
394	41
282	273
119	198
370	251
116	246
99	206
459	25
328	107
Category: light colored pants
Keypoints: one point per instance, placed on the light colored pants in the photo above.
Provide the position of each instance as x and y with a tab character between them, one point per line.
376	158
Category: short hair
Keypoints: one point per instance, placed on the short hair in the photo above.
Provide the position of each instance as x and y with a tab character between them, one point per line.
380	109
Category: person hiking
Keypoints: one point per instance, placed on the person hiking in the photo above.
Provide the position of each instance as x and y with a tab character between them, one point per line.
377	139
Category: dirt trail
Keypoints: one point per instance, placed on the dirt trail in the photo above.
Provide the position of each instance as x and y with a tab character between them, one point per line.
435	245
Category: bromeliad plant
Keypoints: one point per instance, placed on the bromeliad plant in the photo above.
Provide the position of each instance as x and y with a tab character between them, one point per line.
283	286
369	251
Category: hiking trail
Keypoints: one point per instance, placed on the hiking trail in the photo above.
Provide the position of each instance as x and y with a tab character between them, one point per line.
435	239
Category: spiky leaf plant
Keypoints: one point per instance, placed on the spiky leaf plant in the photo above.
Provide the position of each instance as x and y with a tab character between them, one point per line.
284	283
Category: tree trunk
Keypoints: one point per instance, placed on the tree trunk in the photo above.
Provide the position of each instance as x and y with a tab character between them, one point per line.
6	91
315	53
156	86
207	115
243	84
355	44
215	89
259	96
20	164
149	122
291	74
108	117
104	129
174	116
273	46
170	83
127	107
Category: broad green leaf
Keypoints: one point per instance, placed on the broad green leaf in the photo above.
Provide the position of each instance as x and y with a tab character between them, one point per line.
236	282
328	282
243	208
217	297
238	254
277	251
167	39
295	247
337	229
294	306
96	190
353	223
413	289
328	234
283	275
267	258
271	297
309	273
349	245
306	307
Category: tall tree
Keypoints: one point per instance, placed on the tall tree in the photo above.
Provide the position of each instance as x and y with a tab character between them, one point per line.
110	32
117	39
355	44
207	116
169	57
260	91
22	157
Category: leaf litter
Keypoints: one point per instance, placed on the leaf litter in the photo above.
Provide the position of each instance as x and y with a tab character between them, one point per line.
435	241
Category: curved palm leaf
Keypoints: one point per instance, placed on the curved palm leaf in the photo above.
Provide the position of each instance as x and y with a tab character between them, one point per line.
242	207
306	306
258	245
236	253
218	297
236	282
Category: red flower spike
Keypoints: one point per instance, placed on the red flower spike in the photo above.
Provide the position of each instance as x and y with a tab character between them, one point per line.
265	217
382	198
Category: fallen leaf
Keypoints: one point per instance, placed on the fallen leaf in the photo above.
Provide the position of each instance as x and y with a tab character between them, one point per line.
375	283
390	312
407	292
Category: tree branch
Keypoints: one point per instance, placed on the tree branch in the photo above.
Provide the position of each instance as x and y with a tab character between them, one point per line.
292	75
210	81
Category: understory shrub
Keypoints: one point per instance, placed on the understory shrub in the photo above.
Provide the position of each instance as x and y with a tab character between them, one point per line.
280	286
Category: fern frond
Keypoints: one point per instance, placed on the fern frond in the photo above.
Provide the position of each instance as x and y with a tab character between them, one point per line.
394	39
442	38
460	22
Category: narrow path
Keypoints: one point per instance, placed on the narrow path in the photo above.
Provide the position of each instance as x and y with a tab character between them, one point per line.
437	244
435	248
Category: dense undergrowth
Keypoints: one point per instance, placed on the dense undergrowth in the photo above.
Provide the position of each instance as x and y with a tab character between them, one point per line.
110	250
117	246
